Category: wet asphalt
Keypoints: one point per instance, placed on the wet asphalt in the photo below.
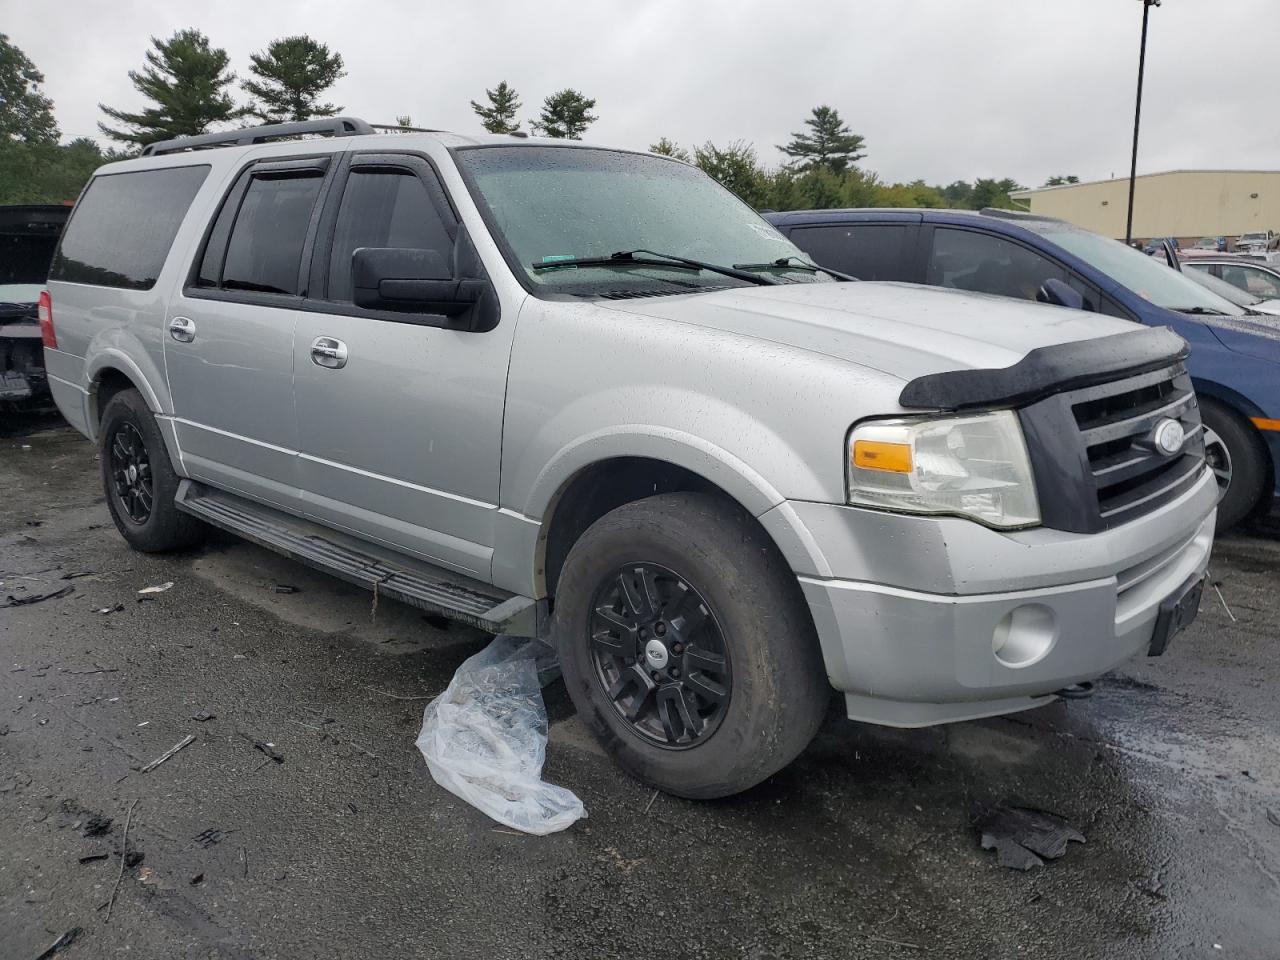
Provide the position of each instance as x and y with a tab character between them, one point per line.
865	847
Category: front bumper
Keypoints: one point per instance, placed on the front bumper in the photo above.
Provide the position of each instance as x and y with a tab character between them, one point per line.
910	640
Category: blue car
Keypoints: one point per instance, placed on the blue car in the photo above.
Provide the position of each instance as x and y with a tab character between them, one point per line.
1235	354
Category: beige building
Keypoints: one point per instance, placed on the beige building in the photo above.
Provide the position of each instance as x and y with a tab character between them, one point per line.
1187	204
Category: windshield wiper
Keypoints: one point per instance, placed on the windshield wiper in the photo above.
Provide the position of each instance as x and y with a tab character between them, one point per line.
652	258
792	262
1200	311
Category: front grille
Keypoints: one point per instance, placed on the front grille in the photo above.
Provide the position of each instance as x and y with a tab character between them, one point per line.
1105	434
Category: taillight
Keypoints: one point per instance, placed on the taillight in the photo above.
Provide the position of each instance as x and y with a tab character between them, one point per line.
45	312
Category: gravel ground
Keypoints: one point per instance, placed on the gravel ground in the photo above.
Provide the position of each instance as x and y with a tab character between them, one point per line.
865	847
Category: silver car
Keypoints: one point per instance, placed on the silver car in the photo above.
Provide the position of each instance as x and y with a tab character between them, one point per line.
584	393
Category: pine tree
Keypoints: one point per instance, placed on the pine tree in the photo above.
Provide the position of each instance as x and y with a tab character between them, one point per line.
290	77
565	115
25	113
828	143
500	115
186	80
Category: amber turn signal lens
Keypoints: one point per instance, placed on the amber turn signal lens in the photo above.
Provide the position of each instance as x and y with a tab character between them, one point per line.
878	455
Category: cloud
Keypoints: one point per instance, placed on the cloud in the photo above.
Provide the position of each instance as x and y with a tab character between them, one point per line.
942	90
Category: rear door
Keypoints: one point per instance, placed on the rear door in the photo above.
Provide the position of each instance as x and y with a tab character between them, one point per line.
400	441
883	249
229	336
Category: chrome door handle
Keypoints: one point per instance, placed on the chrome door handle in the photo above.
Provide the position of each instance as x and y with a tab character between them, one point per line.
182	329
328	352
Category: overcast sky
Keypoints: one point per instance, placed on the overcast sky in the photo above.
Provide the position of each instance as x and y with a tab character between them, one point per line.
941	89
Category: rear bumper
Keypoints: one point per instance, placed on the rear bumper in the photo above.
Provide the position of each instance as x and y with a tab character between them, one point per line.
921	651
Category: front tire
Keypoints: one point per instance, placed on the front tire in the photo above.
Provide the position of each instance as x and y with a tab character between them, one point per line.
1235	454
687	647
139	480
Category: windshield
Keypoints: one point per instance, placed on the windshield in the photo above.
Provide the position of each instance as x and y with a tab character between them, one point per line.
549	204
1149	278
1252	237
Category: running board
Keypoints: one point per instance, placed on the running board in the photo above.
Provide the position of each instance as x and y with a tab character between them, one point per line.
389	574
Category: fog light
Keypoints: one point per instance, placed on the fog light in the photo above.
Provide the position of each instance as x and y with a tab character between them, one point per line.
1024	635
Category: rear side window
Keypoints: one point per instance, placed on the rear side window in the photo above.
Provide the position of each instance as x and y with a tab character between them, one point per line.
383	208
264	250
121	231
870	251
968	260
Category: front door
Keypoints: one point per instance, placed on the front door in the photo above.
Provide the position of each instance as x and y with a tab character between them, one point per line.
229	335
399	415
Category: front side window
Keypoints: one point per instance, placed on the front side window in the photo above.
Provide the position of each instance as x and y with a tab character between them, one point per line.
123	226
549	204
868	251
383	208
982	263
1261	283
264	249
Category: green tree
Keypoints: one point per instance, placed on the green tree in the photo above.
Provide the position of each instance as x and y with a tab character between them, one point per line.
957	193
828	143
737	168
46	172
26	114
185	79
565	115
1059	180
499	116
669	148
288	79
993	193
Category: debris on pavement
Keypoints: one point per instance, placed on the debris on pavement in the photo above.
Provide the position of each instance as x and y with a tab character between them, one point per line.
116	609
1217	586
97	825
196	880
286	588
22	601
204	716
61	943
184	742
92	857
124	856
158	588
1020	836
1273	817
485	737
263	746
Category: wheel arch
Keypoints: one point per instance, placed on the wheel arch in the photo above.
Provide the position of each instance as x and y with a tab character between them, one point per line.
112	372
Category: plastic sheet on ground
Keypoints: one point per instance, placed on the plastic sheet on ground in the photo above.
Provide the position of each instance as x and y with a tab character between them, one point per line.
485	737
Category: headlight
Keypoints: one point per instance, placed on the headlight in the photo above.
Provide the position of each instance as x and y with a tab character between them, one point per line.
975	466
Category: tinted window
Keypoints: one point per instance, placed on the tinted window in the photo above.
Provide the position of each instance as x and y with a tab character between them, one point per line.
264	252
386	208
871	251
123	226
967	260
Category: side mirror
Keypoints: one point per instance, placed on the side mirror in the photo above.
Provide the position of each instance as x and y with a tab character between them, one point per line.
409	280
1059	293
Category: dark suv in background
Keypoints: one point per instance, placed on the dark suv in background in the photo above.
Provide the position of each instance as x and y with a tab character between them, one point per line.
1235	358
28	235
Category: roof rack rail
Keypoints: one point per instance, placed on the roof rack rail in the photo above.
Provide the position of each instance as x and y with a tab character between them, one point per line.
329	126
1017	215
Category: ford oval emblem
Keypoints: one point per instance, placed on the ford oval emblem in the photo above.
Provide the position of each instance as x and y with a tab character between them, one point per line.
1169	436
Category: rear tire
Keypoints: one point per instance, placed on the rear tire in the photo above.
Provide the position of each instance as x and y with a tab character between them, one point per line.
139	480
687	587
1236	455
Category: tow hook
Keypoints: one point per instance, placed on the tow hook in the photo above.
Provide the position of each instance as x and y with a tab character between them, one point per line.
1076	691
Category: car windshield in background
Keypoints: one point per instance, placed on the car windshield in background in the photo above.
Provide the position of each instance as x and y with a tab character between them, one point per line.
551	204
1148	278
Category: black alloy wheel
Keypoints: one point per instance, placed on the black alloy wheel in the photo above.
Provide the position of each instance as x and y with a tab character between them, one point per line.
131	473
660	655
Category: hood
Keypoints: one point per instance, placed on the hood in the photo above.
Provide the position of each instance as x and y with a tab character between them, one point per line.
901	329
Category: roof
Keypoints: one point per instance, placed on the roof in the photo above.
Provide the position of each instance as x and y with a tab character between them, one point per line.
935	214
1142	176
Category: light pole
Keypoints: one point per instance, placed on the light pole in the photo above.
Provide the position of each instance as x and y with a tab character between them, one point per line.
1137	114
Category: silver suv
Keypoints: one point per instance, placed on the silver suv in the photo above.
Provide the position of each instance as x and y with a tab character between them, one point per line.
588	394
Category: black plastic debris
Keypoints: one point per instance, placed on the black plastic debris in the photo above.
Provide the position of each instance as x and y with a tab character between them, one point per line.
61	943
210	837
133	858
97	825
286	588
1020	836
263	746
94	857
196	880
204	716
22	601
